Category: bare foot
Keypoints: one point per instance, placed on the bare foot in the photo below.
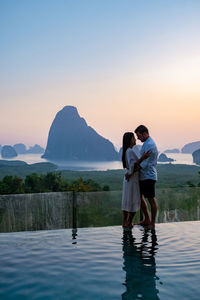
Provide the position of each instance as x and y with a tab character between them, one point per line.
128	227
150	226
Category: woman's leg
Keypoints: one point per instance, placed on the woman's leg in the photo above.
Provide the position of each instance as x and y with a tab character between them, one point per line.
130	219
125	217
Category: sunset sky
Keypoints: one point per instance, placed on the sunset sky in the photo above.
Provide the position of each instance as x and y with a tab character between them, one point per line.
121	63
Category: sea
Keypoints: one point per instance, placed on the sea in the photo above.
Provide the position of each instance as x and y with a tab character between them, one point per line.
179	158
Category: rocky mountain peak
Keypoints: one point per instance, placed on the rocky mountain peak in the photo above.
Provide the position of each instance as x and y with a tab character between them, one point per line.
70	138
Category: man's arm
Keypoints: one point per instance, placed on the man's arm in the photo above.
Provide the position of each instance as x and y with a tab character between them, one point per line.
145	163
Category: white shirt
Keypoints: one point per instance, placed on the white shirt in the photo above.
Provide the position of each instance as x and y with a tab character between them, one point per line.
148	166
131	158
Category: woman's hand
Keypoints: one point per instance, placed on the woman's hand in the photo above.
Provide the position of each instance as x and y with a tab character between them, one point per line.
127	176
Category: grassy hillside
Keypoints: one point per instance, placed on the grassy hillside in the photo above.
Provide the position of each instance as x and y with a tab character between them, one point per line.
21	169
169	175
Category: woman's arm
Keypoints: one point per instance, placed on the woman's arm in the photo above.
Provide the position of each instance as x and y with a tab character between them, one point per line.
135	164
131	161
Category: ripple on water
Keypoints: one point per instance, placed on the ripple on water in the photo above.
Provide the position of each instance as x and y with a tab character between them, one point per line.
102	263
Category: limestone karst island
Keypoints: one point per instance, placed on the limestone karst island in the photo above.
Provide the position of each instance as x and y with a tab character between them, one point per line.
70	138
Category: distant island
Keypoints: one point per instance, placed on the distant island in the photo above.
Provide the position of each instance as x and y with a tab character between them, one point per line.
191	147
70	138
175	150
163	158
196	157
8	151
35	149
20	148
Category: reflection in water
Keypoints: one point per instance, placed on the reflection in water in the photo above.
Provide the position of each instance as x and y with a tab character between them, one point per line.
74	235
140	265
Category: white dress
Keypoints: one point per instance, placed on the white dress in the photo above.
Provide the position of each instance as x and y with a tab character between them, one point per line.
131	189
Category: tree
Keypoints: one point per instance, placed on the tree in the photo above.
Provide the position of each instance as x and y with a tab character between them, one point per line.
106	188
33	183
11	185
50	182
190	184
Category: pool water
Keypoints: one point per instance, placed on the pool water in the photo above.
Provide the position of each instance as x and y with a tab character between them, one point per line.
102	263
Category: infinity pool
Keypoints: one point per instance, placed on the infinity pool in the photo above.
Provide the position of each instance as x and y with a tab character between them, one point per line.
102	263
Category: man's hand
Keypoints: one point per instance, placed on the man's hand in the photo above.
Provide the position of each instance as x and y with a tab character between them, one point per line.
136	167
146	155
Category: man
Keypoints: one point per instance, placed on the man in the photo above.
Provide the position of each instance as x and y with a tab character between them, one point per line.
148	175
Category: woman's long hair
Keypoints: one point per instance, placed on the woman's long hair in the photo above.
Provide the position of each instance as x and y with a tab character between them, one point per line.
125	145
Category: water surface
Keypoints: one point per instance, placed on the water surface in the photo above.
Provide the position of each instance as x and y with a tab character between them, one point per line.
102	263
180	158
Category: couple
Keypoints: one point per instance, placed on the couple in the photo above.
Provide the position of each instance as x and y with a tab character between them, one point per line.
140	178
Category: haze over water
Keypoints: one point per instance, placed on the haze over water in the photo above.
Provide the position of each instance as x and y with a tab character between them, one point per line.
180	158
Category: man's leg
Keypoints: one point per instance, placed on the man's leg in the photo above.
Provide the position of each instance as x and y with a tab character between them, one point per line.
145	211
154	209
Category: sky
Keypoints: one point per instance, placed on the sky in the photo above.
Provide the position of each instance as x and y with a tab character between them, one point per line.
121	63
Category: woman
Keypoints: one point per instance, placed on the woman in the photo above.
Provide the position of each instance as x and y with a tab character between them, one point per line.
131	190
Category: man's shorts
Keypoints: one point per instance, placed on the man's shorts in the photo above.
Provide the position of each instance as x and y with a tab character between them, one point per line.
147	188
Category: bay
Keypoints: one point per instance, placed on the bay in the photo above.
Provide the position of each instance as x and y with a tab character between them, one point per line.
180	158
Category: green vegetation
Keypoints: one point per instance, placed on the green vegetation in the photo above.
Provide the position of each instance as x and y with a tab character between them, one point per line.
169	175
104	209
54	210
51	182
191	184
177	192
